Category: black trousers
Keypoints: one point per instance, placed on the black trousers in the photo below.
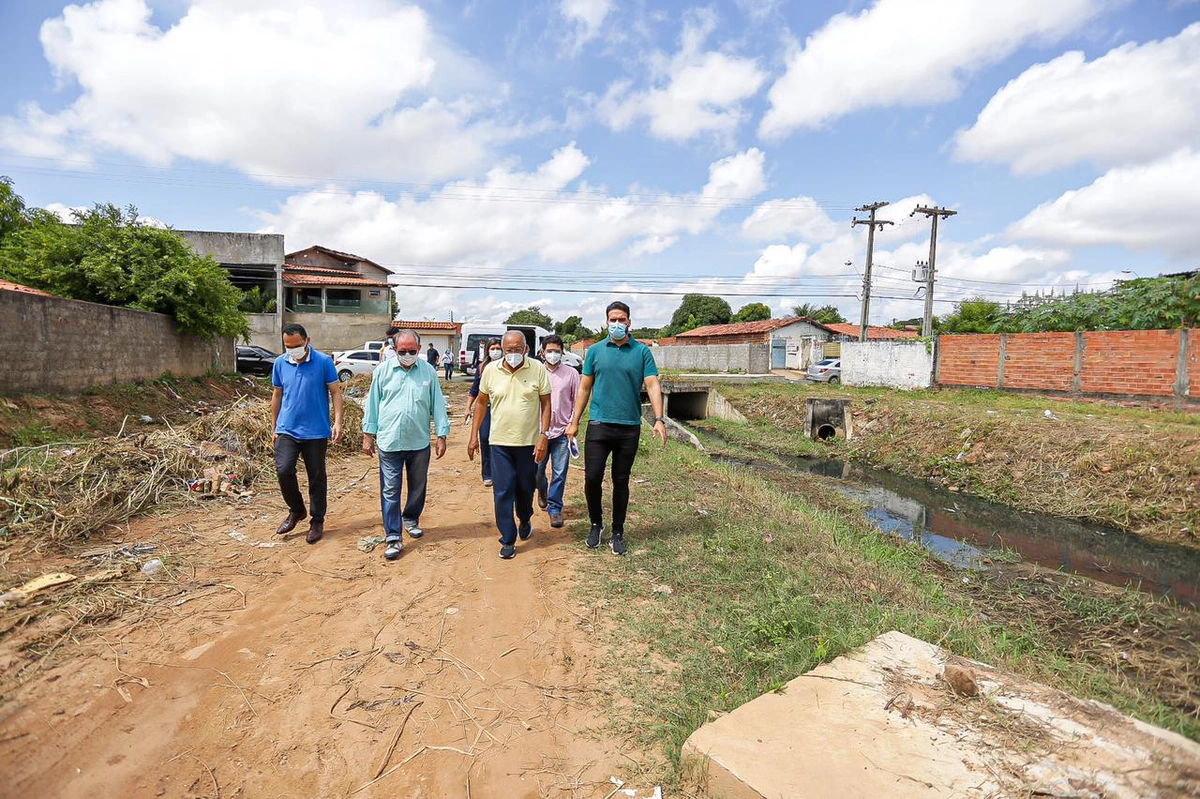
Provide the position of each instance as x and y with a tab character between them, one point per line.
287	451
621	441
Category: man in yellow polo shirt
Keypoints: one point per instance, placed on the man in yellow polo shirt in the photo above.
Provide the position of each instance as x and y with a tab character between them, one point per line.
518	389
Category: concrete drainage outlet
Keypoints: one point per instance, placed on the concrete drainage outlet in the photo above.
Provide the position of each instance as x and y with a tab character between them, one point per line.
826	432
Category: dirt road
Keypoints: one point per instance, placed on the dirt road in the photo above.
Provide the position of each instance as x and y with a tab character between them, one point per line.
292	670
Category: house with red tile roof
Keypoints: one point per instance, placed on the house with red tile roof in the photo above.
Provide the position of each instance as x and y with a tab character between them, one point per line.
7	285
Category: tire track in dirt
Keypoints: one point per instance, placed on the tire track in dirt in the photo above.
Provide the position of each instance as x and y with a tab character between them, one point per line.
489	665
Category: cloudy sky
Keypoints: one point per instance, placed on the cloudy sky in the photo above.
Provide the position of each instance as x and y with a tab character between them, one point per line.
497	154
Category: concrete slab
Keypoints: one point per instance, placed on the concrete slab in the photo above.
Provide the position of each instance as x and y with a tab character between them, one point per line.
882	722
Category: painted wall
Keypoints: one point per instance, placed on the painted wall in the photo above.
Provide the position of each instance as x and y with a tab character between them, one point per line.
332	331
42	337
739	358
906	365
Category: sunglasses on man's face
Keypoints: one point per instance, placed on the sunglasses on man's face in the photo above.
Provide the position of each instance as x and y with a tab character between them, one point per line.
407	352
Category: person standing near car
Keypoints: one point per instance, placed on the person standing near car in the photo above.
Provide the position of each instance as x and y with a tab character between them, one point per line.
564	387
614	372
448	364
518	389
494	353
389	345
405	395
303	382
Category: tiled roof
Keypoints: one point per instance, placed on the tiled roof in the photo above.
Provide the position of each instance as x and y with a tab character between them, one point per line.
743	328
873	332
330	280
321	270
349	256
425	325
6	285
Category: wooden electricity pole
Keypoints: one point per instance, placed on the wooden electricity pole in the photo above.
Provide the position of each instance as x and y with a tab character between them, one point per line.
866	293
934	214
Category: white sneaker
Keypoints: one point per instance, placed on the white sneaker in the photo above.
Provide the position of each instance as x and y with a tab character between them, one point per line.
487	482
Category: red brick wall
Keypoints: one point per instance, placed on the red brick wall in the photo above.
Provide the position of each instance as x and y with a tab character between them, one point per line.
1039	361
1125	362
1129	362
968	360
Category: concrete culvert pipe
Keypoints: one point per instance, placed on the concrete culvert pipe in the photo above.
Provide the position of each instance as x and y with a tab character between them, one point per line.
826	432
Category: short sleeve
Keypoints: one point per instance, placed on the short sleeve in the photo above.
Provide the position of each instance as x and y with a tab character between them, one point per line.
484	383
276	378
649	367
544	387
589	361
330	372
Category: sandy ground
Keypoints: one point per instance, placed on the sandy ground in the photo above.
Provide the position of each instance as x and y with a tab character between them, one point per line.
291	671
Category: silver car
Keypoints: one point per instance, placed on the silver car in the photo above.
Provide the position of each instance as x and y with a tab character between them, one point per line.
826	371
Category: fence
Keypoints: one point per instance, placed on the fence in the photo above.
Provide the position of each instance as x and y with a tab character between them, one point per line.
55	345
736	358
894	364
1141	363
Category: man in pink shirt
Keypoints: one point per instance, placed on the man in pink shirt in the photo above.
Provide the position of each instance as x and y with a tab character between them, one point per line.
564	386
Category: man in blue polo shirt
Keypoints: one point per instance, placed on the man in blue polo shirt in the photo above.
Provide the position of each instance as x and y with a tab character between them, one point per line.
303	381
616	369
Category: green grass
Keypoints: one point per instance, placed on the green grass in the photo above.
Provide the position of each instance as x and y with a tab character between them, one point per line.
33	434
764	585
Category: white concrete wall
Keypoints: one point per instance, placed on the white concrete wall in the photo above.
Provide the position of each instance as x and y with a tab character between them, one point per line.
894	364
707	358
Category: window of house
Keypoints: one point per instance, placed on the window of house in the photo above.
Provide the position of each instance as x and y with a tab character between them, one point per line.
343	298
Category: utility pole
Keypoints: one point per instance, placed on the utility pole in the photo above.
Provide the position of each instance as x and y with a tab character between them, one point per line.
866	293
930	270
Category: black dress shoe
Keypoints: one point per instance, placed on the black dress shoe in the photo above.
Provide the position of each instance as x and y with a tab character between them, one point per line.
315	530
290	522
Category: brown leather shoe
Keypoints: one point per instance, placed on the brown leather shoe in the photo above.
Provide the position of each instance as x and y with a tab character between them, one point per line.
542	500
556	520
315	531
290	523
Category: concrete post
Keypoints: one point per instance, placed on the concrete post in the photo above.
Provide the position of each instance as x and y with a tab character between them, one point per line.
1003	357
1182	380
1077	376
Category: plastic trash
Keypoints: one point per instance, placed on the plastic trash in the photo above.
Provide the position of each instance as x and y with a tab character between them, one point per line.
152	566
573	447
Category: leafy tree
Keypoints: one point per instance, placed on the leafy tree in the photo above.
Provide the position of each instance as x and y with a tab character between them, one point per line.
824	314
257	301
109	257
393	304
644	333
572	329
530	316
12	208
698	310
973	315
752	312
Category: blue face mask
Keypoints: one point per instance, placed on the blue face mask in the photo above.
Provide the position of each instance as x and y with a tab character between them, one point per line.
617	331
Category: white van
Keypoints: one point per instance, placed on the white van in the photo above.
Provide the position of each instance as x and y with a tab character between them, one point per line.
475	337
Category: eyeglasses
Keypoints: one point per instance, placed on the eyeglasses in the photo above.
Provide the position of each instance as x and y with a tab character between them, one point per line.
407	352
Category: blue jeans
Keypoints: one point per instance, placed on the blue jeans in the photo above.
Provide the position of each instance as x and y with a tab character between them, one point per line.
391	465
558	457
515	475
485	450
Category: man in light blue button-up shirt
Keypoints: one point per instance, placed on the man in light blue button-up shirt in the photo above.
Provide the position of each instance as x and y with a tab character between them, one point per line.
405	395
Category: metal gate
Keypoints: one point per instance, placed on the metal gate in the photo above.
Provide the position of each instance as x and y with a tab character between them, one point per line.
778	353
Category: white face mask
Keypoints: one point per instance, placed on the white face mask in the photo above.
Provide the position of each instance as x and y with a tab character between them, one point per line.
495	354
296	353
513	359
407	360
553	357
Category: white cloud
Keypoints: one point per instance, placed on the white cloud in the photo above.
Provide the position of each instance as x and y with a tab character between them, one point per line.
694	92
513	216
67	214
1146	207
800	216
585	17
907	53
1130	105
312	87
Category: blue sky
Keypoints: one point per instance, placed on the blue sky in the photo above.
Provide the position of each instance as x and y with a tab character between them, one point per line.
565	152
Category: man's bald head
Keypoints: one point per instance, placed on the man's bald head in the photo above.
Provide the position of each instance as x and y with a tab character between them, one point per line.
512	340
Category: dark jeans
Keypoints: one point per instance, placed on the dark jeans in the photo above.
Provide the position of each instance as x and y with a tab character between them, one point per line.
558	457
621	440
515	474
287	451
449	368
485	450
391	466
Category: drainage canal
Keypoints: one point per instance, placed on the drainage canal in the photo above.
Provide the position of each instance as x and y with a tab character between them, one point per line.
967	531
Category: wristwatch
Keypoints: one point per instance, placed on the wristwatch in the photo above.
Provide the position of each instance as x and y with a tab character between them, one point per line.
658	419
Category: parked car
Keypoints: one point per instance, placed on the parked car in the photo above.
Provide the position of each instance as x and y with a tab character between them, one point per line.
572	360
826	371
255	360
356	362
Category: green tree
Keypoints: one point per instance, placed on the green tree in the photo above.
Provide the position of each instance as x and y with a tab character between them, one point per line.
12	208
572	329
973	315
257	301
698	310
823	314
752	312
110	257
530	316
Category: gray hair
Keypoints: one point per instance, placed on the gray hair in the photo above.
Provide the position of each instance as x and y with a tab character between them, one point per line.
408	333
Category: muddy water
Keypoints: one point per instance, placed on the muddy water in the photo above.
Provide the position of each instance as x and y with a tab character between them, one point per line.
966	531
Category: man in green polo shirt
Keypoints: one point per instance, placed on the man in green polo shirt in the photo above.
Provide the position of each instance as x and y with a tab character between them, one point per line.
518	389
614	371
